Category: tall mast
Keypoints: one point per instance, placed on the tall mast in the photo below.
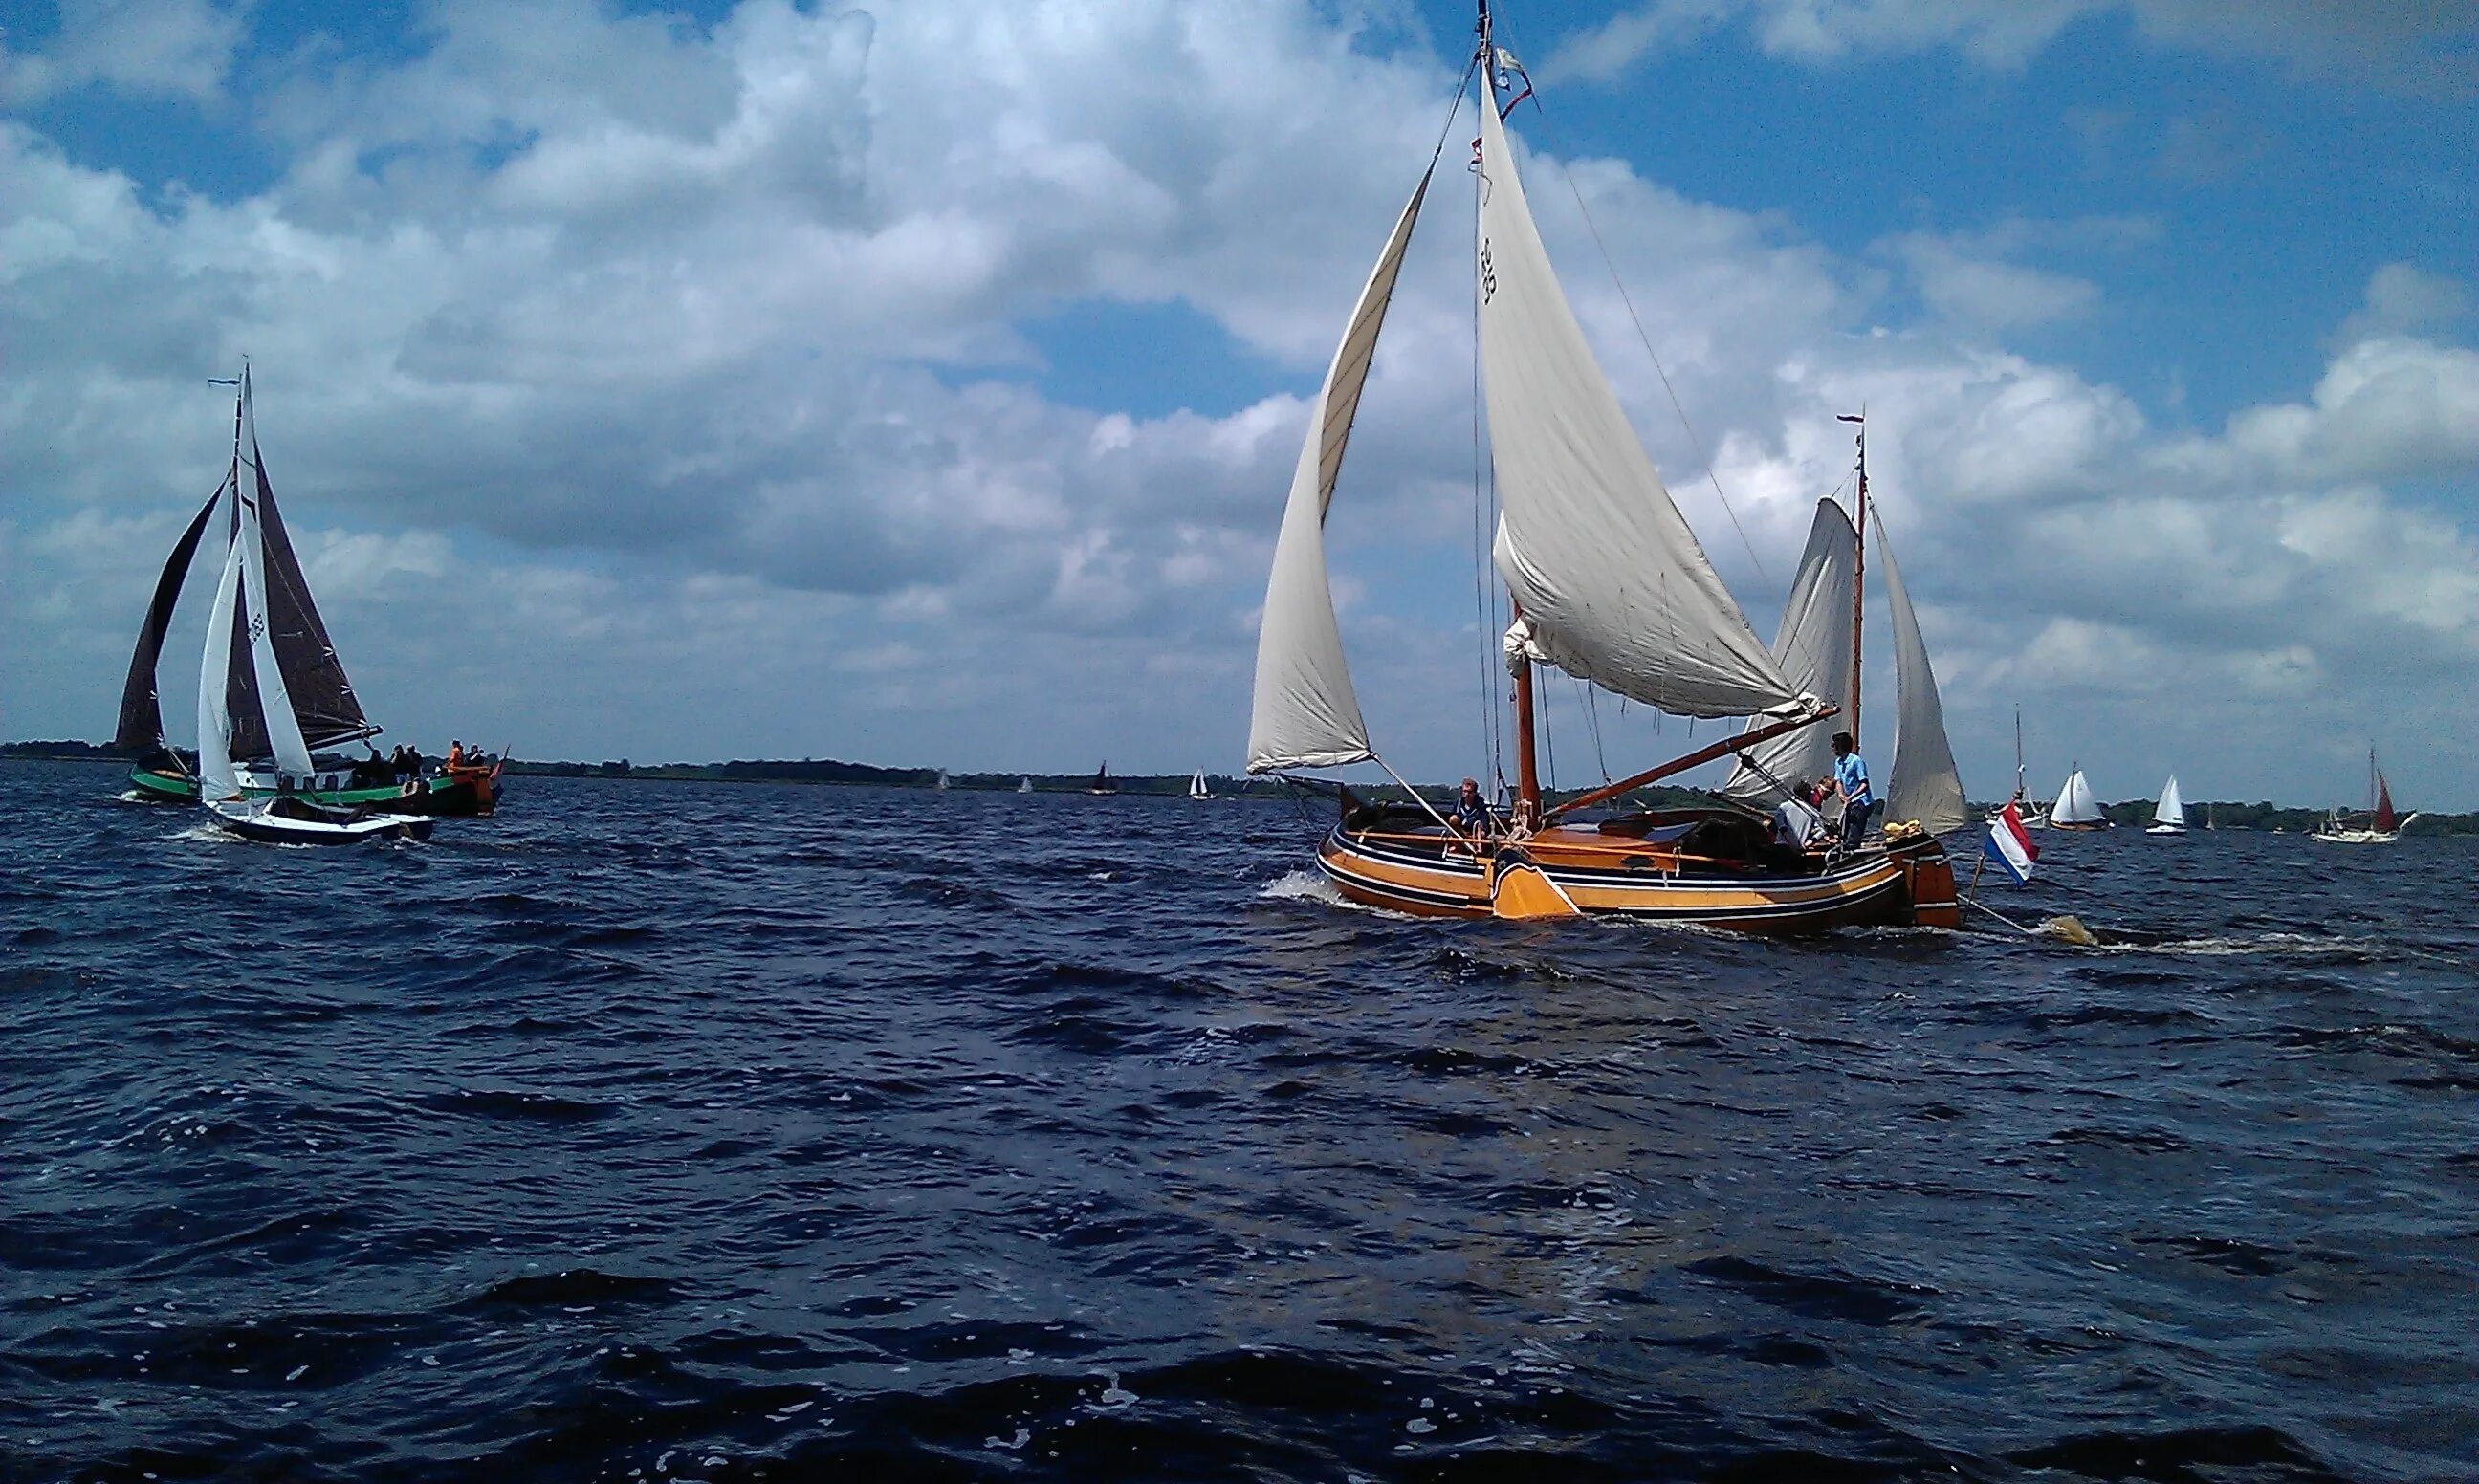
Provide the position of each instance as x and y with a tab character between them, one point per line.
241	395
1858	573
1527	770
2018	750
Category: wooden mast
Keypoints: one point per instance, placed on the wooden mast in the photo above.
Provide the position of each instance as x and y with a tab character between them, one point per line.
1527	768
1858	573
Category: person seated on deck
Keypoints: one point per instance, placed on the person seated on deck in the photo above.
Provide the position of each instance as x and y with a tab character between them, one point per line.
1471	816
456	754
1797	824
1851	780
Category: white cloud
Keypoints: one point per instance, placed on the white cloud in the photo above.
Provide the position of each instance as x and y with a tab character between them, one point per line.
2418	44
167	48
684	375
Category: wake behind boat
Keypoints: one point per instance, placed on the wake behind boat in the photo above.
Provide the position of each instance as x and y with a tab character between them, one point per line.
263	702
1609	585
317	697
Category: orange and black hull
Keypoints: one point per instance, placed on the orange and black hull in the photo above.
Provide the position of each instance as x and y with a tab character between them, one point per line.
1581	870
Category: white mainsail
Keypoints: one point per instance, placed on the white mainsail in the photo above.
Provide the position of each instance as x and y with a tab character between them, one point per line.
1305	714
1197	788
2172	808
1924	785
1614	587
283	727
216	779
2074	804
1813	648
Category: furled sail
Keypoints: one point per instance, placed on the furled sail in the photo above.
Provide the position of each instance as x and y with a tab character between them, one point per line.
323	702
216	779
2074	804
1306	714
142	714
1611	580
2172	808
1813	649
1924	785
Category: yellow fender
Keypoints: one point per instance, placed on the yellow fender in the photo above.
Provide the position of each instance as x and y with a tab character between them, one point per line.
1518	889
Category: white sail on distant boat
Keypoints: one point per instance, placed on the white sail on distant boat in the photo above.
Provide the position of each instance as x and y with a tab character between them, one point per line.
1609	585
1023	785
1197	788
944	783
2169	815
2076	808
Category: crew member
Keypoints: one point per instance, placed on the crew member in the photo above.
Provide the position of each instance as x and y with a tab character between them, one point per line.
1797	824
1851	780
1471	811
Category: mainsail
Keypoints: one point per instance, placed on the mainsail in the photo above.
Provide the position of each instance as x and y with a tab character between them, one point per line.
1306	714
1613	586
216	779
1924	785
142	716
2172	808
2385	822
1813	649
322	698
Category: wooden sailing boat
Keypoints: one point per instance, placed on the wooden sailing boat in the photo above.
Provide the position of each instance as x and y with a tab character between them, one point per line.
286	817
1609	585
2382	827
2076	808
2169	815
321	700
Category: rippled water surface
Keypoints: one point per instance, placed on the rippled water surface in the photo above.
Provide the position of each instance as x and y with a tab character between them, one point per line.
671	1132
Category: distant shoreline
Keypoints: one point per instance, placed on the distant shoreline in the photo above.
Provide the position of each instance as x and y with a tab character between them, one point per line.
2129	814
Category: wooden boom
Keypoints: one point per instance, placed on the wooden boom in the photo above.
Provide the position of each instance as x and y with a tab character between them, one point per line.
1701	754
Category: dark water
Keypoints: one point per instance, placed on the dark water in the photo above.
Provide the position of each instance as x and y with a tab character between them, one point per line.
670	1131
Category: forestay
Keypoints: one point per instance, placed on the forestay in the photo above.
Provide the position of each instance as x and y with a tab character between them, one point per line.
1613	584
1305	714
1924	785
1813	649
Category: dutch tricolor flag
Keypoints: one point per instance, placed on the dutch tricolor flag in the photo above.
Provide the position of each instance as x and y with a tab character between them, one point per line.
2011	846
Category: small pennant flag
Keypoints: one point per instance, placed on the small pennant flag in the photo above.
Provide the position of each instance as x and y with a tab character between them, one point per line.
2009	845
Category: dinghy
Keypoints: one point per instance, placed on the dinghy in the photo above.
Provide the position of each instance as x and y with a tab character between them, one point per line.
283	819
1023	785
2169	815
1608	584
2076	808
2382	827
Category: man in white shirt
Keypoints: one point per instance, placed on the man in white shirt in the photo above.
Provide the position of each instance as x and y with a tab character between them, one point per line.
1795	822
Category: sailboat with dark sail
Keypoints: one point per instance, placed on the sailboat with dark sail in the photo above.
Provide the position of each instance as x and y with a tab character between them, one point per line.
2382	826
1608	584
317	695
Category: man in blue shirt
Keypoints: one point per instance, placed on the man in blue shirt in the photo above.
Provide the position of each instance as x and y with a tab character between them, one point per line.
1851	780
1471	813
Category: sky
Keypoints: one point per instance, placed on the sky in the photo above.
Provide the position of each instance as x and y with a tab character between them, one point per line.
920	384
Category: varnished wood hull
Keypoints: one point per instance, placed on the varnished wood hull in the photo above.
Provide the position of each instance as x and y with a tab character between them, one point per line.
1578	871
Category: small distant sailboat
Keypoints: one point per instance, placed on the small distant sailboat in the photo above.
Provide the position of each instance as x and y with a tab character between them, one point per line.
1102	785
1197	788
1023	785
944	783
2076	808
284	818
2169	815
2382	827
